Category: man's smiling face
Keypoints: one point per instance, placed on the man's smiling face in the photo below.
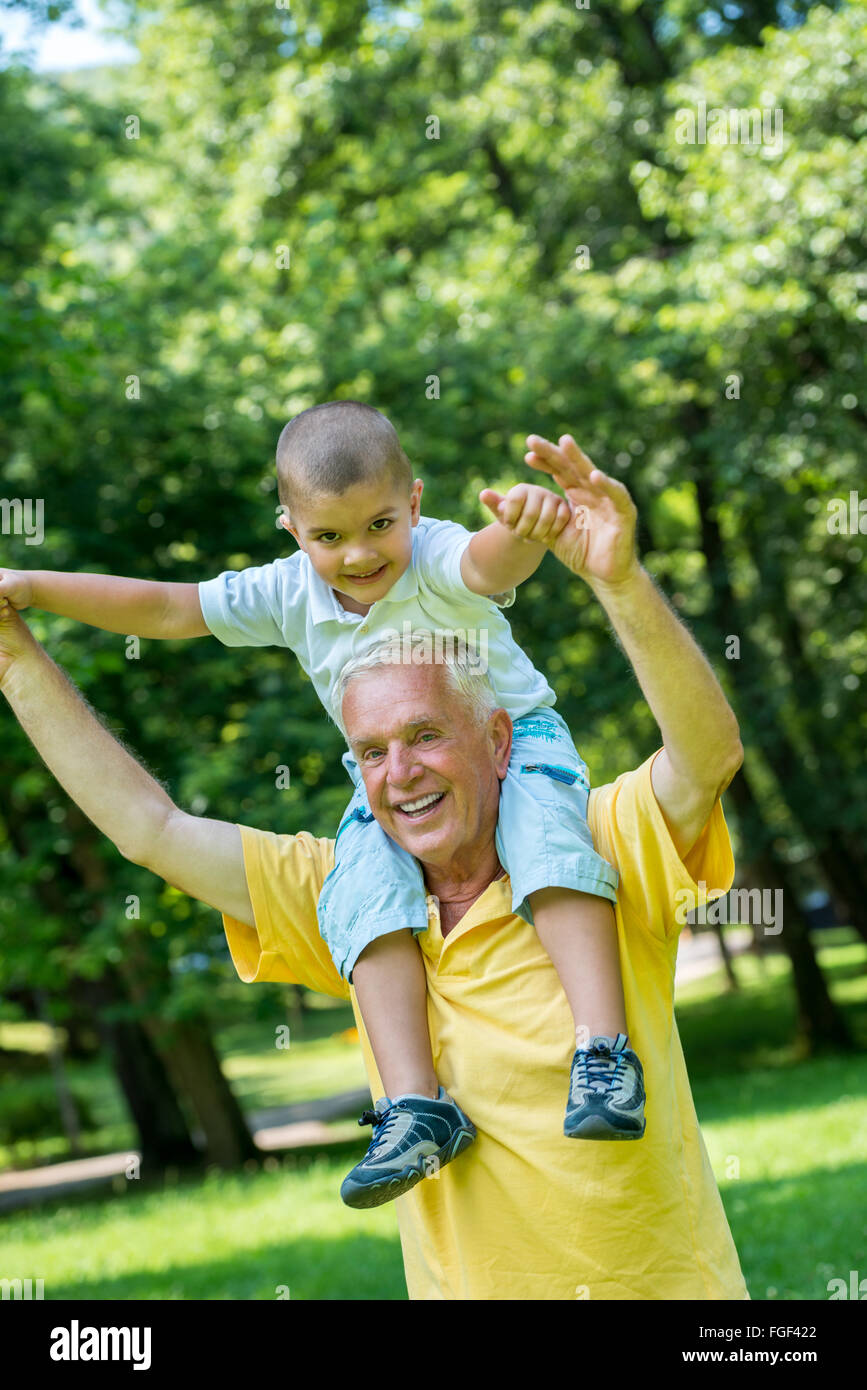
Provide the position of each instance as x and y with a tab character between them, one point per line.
431	774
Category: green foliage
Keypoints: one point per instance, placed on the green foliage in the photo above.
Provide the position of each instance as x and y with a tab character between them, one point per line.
29	1110
153	341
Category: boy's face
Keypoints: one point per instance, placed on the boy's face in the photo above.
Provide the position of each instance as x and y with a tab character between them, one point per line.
359	541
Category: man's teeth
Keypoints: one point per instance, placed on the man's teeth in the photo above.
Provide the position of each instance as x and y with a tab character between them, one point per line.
421	803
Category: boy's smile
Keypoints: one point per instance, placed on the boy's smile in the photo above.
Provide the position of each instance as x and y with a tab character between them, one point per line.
359	541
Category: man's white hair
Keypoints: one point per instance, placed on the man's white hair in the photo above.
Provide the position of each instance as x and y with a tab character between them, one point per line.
464	678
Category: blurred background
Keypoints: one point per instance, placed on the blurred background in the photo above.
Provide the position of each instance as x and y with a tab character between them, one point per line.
486	220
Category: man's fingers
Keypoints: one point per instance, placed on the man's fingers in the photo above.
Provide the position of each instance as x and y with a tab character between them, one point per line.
565	462
612	488
540	461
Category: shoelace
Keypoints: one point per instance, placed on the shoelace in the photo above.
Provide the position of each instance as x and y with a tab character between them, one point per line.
594	1070
383	1122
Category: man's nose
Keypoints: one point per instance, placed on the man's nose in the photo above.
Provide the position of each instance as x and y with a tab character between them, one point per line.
403	766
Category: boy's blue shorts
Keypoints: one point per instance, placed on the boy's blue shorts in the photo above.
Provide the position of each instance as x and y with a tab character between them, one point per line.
543	841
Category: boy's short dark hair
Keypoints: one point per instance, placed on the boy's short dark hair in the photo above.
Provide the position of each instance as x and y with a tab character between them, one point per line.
333	446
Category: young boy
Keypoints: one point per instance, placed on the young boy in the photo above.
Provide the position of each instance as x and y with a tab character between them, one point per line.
368	565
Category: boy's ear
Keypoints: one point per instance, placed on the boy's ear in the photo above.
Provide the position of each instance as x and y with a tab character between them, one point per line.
415	501
285	520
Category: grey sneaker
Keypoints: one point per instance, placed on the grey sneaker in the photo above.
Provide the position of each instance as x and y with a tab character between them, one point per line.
413	1138
606	1095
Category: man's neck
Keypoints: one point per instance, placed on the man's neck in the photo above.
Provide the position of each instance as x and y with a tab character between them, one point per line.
457	886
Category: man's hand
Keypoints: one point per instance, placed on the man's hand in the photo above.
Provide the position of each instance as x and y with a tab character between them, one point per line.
15	585
598	543
15	637
531	512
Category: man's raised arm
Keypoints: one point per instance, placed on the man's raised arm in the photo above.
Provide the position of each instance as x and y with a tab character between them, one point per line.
702	749
201	857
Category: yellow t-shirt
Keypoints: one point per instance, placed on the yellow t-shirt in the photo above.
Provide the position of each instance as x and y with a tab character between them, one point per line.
527	1213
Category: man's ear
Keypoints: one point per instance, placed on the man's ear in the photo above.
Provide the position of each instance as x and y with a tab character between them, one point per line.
500	734
415	501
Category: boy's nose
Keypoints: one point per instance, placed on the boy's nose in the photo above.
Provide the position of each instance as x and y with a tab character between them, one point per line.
360	558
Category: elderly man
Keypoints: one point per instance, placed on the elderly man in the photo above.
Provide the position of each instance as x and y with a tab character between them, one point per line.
527	1214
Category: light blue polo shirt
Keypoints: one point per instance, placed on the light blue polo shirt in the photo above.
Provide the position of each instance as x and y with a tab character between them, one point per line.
286	604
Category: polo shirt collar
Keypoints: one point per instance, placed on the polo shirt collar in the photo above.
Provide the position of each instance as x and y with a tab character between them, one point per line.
406	587
325	608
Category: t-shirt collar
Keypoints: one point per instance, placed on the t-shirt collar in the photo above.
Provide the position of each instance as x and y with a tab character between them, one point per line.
325	607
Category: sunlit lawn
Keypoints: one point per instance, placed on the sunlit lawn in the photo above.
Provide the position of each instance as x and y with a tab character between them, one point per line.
787	1140
323	1063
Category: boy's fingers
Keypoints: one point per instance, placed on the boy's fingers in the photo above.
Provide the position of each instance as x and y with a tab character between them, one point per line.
538	518
493	501
491	498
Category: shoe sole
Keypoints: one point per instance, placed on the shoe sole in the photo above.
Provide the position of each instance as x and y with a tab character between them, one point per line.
364	1195
594	1127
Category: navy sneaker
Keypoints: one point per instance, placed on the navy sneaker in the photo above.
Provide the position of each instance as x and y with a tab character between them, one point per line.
413	1137
606	1094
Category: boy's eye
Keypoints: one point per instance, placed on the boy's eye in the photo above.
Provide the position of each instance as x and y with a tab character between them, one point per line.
329	536
382	524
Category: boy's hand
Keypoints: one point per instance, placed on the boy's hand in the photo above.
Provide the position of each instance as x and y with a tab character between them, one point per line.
15	585
530	512
599	542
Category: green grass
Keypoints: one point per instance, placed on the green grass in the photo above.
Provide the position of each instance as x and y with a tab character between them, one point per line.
321	1064
787	1139
238	1237
318	1063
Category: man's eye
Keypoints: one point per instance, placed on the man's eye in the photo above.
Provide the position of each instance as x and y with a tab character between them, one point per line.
371	754
382	524
422	737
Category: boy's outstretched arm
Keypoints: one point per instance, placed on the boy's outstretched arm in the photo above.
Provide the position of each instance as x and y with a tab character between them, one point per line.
133	607
503	555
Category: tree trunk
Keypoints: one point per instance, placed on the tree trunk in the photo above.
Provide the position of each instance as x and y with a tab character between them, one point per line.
768	734
194	1066
164	1137
819	1021
65	1099
821	1025
726	956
